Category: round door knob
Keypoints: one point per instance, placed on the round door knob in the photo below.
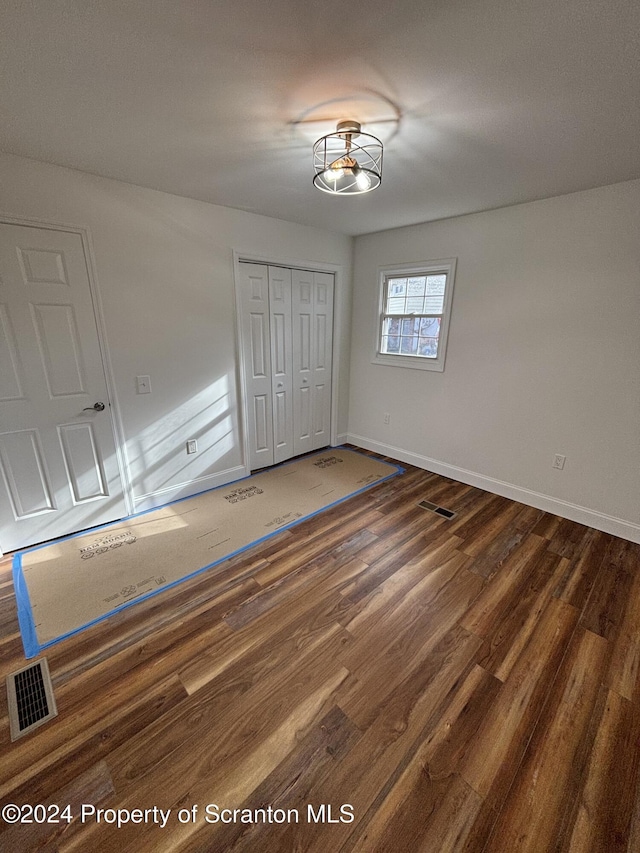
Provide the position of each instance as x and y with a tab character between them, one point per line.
305	381
97	407
280	384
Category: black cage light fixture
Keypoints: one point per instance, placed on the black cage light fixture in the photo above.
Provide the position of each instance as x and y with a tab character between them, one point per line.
343	166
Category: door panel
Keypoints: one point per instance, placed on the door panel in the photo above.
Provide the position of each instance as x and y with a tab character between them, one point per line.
319	413
303	426
56	331
82	461
10	381
259	348
25	475
59	471
262	424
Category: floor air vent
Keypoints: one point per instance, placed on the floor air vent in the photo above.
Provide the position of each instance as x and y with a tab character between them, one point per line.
439	510
30	698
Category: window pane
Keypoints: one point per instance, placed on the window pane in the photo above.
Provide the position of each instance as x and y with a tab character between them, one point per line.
416	286
415	305
409	346
390	343
429	326
396	305
391	326
397	287
411	326
428	347
434	303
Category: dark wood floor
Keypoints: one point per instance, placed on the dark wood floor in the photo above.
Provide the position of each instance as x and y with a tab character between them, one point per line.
465	685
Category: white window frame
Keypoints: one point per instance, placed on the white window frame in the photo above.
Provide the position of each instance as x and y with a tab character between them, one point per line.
420	362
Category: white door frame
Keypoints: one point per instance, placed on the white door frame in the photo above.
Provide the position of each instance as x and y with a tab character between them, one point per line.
114	410
315	266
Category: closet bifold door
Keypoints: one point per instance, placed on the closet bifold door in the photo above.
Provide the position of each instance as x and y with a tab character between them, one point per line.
287	335
312	318
281	362
256	344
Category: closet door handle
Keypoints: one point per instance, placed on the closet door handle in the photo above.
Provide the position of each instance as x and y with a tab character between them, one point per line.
280	384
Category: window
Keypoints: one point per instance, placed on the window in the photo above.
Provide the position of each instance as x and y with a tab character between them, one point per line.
413	314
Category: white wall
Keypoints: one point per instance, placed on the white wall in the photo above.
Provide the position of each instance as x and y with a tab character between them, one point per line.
543	355
165	275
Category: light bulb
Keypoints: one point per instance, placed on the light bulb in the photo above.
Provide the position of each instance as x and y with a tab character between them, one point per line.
337	169
362	179
333	174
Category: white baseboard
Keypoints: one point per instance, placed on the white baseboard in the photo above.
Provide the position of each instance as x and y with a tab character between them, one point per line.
186	490
574	512
341	439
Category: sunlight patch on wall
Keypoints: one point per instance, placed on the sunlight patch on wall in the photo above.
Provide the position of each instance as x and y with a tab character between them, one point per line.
158	455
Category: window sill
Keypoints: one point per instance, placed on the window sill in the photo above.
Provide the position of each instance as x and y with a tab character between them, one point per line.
413	362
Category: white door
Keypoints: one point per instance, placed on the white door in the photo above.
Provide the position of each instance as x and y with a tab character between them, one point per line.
312	312
281	362
58	463
322	358
256	342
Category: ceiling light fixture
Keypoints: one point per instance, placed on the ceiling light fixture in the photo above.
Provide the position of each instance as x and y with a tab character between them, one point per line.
343	167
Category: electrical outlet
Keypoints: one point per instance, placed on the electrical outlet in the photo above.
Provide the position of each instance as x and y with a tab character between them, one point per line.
558	461
387	418
192	446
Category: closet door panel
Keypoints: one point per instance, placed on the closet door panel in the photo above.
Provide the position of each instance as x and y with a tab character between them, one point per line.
303	360
281	362
256	357
322	350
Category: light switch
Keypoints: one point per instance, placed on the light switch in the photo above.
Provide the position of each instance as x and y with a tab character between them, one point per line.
143	384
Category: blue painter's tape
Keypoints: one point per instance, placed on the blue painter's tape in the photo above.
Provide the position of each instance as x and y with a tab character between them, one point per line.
25	612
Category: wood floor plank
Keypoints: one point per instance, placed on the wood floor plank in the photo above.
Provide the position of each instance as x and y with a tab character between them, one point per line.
318	595
91	787
505	588
310	572
579	577
493	761
405	563
287	785
512	629
543	792
623	674
604	808
378	667
497	549
479	528
308	549
603	612
430	807
569	538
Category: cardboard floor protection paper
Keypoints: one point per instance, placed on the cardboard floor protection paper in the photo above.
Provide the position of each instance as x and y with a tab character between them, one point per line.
72	583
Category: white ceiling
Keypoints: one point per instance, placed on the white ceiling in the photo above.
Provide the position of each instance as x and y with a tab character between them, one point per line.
480	103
